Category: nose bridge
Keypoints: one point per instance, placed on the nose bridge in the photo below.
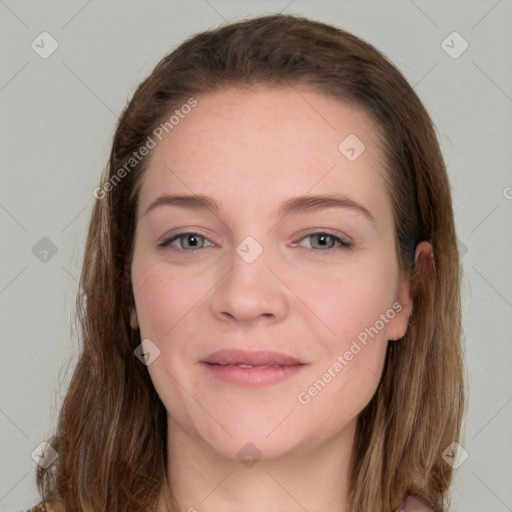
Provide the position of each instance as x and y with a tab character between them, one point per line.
250	289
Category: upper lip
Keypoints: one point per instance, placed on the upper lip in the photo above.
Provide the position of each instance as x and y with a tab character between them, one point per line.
257	358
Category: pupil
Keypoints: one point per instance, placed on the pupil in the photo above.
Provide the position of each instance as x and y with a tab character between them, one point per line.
322	240
192	237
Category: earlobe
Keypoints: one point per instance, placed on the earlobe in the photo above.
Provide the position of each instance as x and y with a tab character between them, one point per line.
397	327
423	262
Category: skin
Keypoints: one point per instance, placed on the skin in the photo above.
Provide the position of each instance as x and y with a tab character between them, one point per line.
251	150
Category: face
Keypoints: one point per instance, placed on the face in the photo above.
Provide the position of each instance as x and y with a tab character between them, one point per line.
301	301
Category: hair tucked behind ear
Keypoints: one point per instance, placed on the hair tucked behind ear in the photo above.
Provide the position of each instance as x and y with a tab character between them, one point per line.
111	434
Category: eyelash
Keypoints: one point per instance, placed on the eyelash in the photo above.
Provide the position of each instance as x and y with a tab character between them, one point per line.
343	243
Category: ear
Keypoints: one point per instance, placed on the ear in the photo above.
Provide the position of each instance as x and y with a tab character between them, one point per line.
423	262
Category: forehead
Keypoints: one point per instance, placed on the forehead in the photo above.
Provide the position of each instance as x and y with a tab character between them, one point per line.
263	144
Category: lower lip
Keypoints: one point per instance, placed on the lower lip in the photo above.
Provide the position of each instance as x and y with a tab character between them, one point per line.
256	376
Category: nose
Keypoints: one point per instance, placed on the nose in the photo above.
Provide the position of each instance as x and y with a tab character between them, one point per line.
251	291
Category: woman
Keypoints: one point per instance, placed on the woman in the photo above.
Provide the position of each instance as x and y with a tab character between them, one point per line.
270	300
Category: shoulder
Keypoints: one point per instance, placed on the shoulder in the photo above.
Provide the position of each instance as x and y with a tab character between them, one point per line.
413	503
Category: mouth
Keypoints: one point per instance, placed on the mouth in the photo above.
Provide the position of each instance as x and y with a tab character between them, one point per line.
251	368
260	358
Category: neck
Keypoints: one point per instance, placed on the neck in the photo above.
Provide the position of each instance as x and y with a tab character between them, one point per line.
313	477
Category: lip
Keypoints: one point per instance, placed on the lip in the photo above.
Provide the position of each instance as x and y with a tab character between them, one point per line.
257	358
261	368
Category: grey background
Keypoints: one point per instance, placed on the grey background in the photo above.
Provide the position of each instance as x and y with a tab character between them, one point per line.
57	122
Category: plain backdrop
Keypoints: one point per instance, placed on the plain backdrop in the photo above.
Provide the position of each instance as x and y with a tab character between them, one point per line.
58	114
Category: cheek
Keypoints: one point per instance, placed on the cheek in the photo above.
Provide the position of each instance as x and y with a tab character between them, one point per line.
163	297
164	301
349	298
350	361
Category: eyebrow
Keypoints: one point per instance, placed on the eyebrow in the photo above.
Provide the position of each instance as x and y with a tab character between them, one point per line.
299	204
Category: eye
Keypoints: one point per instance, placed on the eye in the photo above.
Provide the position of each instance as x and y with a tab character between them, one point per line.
189	241
322	242
325	242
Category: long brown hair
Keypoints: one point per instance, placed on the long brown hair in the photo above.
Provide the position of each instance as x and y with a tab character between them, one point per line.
111	433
